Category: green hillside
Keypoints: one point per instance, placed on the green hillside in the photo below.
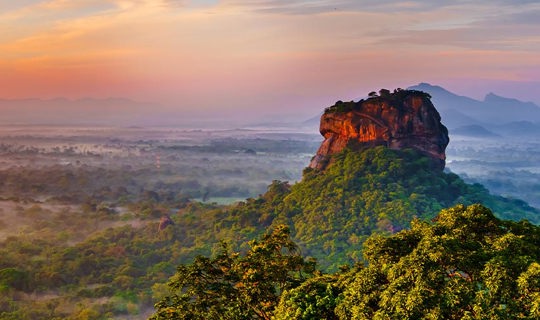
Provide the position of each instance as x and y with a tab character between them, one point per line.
330	214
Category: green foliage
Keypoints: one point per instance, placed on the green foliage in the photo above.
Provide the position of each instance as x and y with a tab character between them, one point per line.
13	278
395	98
107	271
234	286
316	298
342	107
75	261
331	213
376	190
468	265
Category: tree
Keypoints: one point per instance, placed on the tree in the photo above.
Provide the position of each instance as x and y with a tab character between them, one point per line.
13	278
385	93
467	265
316	298
234	286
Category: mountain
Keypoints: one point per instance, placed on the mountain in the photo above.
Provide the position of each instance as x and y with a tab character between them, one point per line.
519	129
454	119
474	131
363	190
313	121
61	111
376	209
494	110
399	120
101	112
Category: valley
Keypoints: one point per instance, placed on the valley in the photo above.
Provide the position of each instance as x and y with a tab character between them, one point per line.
103	215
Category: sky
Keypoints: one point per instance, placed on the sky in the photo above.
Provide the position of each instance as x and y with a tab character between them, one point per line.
265	57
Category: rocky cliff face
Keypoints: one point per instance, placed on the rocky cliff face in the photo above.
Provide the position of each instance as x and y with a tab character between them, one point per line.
403	119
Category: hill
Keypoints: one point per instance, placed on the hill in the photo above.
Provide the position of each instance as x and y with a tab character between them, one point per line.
366	188
494	110
475	131
378	206
397	120
363	190
377	190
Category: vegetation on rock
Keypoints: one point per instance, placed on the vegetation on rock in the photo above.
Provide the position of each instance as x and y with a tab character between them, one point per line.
399	120
396	98
332	212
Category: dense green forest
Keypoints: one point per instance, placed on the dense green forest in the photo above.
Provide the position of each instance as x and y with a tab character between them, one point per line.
70	266
332	212
467	264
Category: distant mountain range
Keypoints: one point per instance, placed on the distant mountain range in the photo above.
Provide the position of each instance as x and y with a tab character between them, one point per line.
492	117
61	111
474	130
495	116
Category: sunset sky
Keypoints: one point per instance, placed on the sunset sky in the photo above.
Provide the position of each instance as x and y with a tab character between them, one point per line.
261	55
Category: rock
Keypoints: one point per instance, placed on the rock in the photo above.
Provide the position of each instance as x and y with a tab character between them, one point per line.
164	222
398	120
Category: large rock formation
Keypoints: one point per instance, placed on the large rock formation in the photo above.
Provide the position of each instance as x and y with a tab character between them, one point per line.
398	120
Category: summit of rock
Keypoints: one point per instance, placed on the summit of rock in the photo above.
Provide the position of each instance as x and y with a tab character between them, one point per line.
398	120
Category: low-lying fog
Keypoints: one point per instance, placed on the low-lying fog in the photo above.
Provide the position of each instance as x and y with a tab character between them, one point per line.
61	186
506	166
219	165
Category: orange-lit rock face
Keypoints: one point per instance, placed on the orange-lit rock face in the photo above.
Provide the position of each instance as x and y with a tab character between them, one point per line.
411	123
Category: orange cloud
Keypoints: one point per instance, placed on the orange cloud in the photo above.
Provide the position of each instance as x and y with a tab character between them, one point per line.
234	52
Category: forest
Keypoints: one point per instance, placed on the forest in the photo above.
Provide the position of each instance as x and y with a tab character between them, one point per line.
94	222
467	264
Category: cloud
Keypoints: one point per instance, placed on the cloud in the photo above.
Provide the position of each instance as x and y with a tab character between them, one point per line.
6	6
527	16
60	33
307	7
478	28
184	48
327	6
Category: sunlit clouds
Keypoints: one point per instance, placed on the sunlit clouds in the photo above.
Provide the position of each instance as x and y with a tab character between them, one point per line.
268	54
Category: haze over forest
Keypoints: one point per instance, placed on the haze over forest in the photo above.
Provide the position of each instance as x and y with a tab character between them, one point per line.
157	159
